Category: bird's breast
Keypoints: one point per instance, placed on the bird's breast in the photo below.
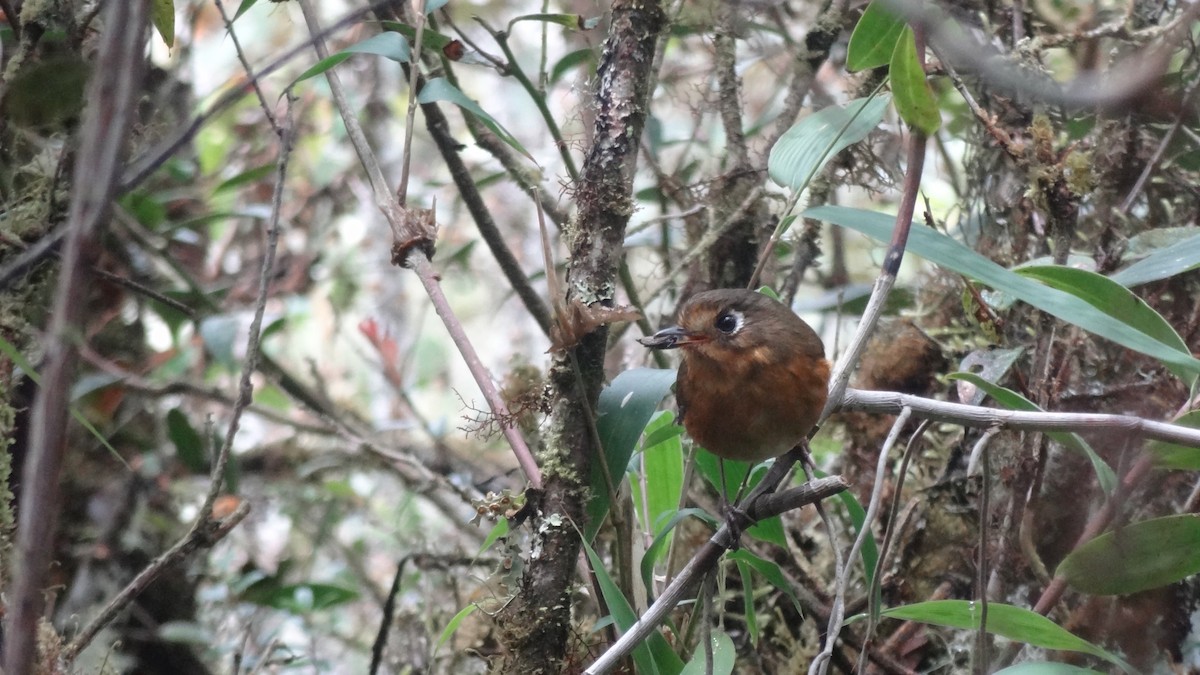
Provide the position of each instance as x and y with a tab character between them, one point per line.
752	407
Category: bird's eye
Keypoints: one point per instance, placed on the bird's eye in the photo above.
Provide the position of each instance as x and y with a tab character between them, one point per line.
729	322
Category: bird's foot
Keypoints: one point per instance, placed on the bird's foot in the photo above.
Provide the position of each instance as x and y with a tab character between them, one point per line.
737	520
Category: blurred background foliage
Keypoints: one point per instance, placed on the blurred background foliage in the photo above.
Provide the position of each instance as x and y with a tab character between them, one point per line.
375	474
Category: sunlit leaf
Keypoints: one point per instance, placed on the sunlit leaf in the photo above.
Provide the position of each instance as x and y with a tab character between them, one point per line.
162	15
910	87
625	406
805	148
956	257
1014	623
440	89
662	468
874	38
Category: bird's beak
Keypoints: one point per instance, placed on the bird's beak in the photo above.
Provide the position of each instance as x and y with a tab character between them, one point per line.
670	338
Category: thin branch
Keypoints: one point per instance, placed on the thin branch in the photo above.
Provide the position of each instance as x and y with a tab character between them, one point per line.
887	276
202	535
837	607
981	637
1113	88
1184	112
207	530
976	416
111	95
254	81
414	235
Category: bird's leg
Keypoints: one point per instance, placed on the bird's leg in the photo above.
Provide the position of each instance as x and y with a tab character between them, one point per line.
736	518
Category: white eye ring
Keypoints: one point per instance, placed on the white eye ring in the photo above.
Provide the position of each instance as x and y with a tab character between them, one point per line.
730	322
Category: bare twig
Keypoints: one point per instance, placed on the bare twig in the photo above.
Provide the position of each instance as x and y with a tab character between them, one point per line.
837	607
206	530
981	637
254	81
202	535
111	93
413	241
976	416
1184	112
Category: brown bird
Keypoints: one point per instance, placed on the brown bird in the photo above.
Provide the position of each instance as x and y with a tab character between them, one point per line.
754	378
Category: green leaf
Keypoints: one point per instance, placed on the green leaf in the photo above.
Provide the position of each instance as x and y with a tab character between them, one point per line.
429	39
242	8
869	552
568	21
805	148
389	45
653	655
1174	456
1114	300
625	407
162	15
1138	557
1182	256
300	598
571	61
245	177
189	445
954	256
455	622
440	89
1014	401
500	529
1046	668
724	656
662	463
914	98
1014	623
656	548
874	38
749	613
709	466
770	571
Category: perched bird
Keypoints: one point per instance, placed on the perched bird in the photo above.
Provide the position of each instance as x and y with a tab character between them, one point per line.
754	378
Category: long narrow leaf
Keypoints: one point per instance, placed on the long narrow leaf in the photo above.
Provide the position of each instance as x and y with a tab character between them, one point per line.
952	255
1014	623
440	89
816	139
1136	557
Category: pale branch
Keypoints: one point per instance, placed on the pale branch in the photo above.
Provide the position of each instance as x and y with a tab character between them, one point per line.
891	403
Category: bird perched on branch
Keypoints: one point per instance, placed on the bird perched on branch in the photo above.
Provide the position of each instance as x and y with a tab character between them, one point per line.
754	378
